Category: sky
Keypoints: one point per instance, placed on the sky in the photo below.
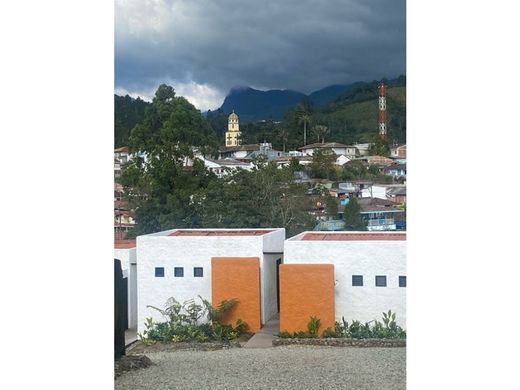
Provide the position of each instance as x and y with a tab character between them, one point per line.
203	48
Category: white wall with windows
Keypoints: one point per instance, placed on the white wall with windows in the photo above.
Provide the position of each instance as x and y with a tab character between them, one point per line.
160	255
358	261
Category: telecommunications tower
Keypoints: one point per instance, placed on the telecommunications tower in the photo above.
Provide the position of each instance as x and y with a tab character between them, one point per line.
382	110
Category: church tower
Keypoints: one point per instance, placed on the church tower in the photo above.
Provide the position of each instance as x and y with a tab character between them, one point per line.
233	133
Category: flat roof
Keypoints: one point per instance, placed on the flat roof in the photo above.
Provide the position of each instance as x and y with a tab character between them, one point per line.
195	233
124	244
352	236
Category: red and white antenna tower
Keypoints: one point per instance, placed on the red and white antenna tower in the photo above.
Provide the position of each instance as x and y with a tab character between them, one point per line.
382	110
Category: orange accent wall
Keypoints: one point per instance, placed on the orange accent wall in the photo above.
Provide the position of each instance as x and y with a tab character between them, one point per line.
237	277
306	290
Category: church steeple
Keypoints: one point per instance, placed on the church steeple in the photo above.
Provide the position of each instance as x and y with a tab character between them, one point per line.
233	133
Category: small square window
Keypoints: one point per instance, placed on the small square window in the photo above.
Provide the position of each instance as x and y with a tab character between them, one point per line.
178	272
402	281
357	280
380	281
159	272
198	272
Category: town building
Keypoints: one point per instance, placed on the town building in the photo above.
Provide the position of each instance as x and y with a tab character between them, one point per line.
397	195
392	192
398	171
124	218
215	264
117	168
122	154
237	152
331	275
398	151
265	151
376	160
338	148
378	214
125	251
342	160
362	149
233	134
226	166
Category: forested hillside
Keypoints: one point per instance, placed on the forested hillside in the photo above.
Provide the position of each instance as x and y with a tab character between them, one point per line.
352	117
127	113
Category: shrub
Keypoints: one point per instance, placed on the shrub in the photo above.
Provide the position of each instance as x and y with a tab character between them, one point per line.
313	326
388	329
185	323
329	332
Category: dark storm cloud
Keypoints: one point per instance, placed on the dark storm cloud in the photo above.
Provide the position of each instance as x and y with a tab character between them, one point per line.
295	44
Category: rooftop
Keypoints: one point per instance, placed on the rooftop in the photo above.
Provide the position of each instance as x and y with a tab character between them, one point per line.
124	244
325	145
350	236
247	147
218	232
371	205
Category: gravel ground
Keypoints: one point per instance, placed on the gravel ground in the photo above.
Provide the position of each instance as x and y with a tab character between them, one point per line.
291	367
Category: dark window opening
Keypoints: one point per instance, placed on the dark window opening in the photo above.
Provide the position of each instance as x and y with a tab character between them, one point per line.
357	280
178	272
159	272
198	272
380	281
402	281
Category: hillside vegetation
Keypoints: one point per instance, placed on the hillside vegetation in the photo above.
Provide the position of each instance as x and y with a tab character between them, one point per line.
127	113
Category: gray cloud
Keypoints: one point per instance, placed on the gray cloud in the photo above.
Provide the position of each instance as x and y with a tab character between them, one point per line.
205	47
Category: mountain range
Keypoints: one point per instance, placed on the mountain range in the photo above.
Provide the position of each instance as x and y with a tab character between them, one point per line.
253	105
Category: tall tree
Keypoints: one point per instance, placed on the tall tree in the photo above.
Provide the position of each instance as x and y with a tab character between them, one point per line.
159	184
304	117
379	146
352	216
322	166
320	131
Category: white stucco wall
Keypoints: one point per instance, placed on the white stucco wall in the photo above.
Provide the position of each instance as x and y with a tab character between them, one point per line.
128	257
367	258
161	250
269	287
379	192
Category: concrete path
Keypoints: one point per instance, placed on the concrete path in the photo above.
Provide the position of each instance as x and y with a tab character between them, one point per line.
264	337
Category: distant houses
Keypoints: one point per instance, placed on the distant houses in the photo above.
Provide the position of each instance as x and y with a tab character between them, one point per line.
339	149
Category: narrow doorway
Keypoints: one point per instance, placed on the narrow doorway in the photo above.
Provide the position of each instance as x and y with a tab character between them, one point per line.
278	262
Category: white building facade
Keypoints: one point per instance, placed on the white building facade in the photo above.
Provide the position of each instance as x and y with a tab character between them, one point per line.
369	270
177	263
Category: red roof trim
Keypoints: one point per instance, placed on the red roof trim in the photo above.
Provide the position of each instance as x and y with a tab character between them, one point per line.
354	237
196	233
124	244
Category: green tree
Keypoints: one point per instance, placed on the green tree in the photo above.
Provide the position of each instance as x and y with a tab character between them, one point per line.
352	216
157	181
320	131
354	170
379	147
267	196
304	118
322	166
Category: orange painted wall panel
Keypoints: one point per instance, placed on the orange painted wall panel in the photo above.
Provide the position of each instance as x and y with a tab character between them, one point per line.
306	290
237	277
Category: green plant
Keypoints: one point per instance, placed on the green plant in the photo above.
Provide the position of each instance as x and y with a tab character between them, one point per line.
313	326
329	332
285	334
